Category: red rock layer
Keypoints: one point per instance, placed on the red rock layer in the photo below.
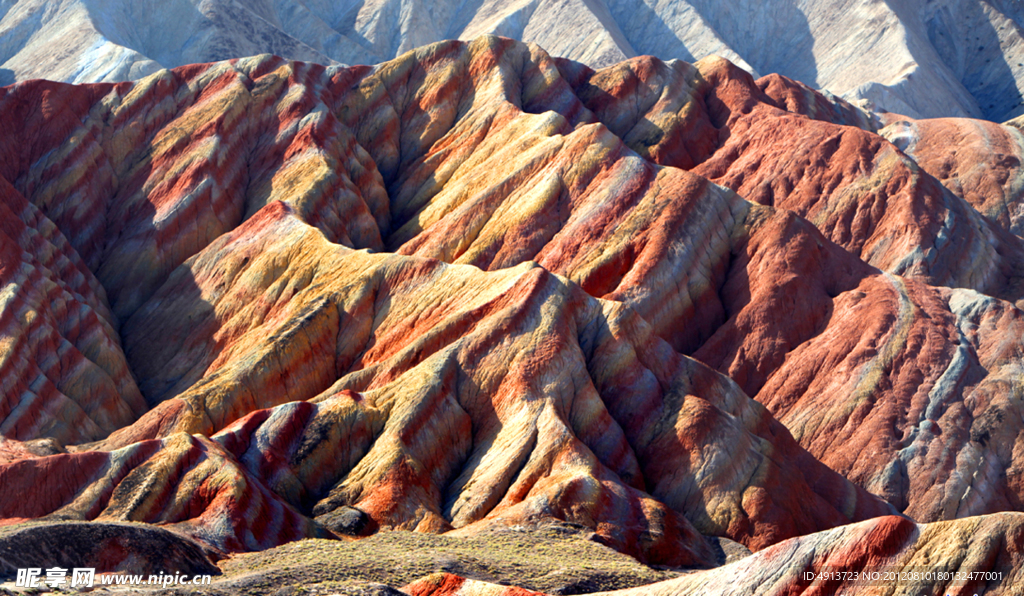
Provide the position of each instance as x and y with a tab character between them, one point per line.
884	396
798	98
638	246
977	555
858	189
446	584
775	269
207	200
978	161
62	372
142	176
184	483
446	396
12	450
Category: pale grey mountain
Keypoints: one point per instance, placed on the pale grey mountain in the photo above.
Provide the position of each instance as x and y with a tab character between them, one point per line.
921	58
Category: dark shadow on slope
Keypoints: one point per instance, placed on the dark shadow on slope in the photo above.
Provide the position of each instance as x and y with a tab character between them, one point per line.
7	77
415	126
135	251
807	273
102	546
53	306
235	31
968	43
345	26
657	38
466	13
151	351
796	60
758	45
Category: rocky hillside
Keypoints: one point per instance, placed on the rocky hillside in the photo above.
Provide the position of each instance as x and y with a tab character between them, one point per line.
888	555
477	288
920	58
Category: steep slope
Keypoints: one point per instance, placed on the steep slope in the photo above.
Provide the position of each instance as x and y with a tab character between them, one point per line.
91	41
62	370
983	555
187	484
978	161
882	210
855	395
859	190
460	397
915	57
447	200
160	169
559	243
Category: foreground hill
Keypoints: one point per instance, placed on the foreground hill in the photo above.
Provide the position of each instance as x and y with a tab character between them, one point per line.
476	288
921	58
883	556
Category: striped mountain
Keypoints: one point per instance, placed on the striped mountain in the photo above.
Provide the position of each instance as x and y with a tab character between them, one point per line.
477	286
922	58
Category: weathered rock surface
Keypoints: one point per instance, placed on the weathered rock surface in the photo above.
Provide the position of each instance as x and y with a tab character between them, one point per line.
901	557
575	305
62	371
979	555
859	190
448	584
922	58
444	396
884	211
978	161
188	484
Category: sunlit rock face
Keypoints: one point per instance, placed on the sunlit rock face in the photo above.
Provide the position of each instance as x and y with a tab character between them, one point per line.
978	161
919	58
477	286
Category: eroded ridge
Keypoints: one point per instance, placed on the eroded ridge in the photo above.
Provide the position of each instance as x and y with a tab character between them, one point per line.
476	285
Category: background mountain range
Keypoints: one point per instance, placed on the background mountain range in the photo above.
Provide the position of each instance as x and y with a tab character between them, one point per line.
921	58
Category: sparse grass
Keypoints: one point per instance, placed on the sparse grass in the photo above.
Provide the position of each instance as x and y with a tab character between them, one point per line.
556	559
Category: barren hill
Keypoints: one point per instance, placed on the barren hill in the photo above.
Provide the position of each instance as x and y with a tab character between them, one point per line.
920	58
477	287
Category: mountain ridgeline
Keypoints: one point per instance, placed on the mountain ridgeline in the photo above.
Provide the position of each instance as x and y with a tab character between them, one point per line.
478	288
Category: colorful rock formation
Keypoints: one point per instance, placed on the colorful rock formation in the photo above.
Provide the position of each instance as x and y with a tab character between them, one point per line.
476	286
446	584
445	396
976	160
922	58
184	483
